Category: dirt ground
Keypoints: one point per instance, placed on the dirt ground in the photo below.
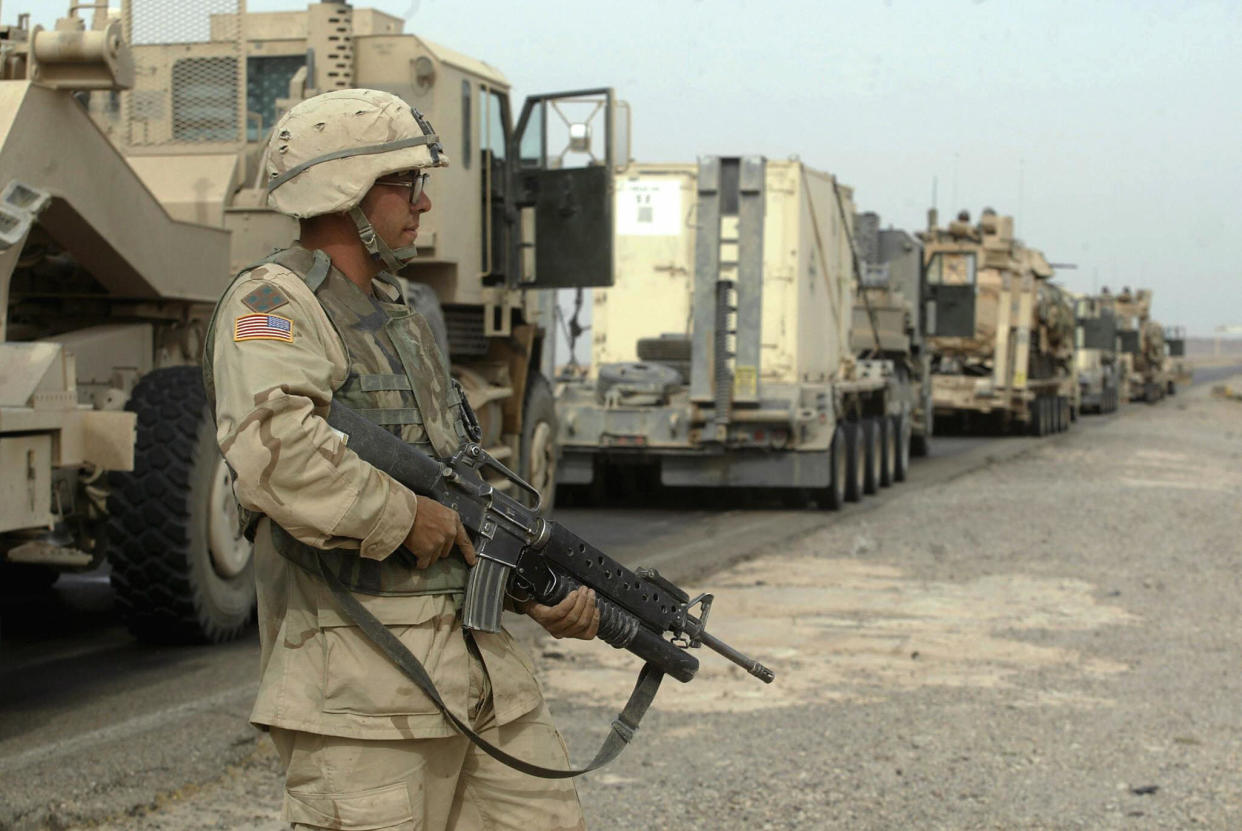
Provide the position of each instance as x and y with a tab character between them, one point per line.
1047	642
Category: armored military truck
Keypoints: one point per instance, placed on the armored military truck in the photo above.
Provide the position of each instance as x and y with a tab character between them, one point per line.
1001	333
1095	353
131	149
723	356
888	316
1179	372
1142	342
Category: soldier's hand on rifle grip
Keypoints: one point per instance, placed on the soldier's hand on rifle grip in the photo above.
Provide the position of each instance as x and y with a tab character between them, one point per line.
437	528
576	616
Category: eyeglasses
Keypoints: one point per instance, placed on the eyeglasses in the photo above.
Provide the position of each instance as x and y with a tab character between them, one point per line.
416	182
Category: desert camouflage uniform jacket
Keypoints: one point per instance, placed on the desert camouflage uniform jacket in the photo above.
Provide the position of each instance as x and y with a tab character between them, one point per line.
286	339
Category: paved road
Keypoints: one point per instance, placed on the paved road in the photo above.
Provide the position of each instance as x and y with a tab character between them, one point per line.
92	724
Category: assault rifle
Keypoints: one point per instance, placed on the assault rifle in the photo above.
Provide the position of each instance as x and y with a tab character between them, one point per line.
524	555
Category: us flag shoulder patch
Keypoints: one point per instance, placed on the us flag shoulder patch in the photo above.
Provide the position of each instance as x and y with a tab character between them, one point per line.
263	327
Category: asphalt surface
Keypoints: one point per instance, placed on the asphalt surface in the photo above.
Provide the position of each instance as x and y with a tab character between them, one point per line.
94	725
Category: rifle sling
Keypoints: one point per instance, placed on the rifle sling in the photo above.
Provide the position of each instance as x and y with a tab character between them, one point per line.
623	726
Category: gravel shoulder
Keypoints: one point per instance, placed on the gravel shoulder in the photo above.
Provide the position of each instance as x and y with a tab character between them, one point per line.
1045	642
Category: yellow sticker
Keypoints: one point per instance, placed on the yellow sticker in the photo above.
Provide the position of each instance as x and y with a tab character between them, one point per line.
745	382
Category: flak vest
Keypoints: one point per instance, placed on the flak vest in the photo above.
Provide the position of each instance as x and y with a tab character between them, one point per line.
398	379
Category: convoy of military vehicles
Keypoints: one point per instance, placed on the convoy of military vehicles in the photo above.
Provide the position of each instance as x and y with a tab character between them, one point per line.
750	329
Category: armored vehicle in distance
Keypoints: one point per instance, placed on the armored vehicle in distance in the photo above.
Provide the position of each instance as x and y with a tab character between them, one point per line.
888	316
1142	343
1001	333
1179	372
1095	353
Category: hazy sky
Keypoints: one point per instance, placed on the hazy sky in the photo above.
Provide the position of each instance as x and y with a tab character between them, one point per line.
1111	130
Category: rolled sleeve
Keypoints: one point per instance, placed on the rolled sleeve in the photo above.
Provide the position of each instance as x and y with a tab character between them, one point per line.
392	525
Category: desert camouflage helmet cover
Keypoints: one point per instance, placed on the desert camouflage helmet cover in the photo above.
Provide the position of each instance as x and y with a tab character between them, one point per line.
327	151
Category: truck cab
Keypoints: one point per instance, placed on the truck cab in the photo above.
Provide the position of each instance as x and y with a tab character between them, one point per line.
135	141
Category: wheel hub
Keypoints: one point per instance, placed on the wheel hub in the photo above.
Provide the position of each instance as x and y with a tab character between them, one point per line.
230	550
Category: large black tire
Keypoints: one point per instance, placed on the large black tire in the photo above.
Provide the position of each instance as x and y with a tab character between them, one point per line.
888	450
538	453
665	348
920	445
169	586
833	497
650	375
901	464
671	350
18	579
855	463
871	456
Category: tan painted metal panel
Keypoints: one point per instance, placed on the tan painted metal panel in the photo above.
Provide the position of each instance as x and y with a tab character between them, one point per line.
807	278
1022	332
99	351
97	437
255	234
654	262
191	188
29	367
1002	365
106	218
25	482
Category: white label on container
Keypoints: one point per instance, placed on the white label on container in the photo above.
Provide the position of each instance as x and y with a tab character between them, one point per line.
647	207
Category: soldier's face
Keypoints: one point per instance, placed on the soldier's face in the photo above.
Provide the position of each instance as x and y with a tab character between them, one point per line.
392	215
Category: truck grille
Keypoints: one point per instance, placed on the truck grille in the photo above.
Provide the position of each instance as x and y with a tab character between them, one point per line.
465	331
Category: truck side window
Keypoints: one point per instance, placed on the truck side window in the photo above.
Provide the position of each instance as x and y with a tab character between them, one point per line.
951	270
267	78
531	149
466	107
493	130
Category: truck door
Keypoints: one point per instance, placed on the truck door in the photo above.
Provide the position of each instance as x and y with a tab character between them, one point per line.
564	147
950	281
500	254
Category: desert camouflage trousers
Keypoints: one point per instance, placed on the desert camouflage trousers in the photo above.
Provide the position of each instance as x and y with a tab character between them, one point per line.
442	784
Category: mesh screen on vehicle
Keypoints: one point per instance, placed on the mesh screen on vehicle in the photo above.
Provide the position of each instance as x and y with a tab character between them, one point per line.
190	76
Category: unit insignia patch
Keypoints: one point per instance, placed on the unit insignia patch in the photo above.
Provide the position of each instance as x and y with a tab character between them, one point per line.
265	298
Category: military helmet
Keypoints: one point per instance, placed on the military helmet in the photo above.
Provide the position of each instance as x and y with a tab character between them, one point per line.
327	151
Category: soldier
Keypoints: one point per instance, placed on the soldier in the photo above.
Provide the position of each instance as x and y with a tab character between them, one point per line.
361	745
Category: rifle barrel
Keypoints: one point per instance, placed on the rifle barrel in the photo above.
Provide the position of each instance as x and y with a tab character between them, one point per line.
747	663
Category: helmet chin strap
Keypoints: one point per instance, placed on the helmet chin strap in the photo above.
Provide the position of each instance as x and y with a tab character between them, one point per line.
394	260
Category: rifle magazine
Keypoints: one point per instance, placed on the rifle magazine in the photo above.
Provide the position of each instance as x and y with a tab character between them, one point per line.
485	596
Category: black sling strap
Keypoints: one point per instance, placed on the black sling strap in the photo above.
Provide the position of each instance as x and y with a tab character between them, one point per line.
623	726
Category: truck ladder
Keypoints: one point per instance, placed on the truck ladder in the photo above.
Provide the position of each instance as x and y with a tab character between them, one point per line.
728	288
